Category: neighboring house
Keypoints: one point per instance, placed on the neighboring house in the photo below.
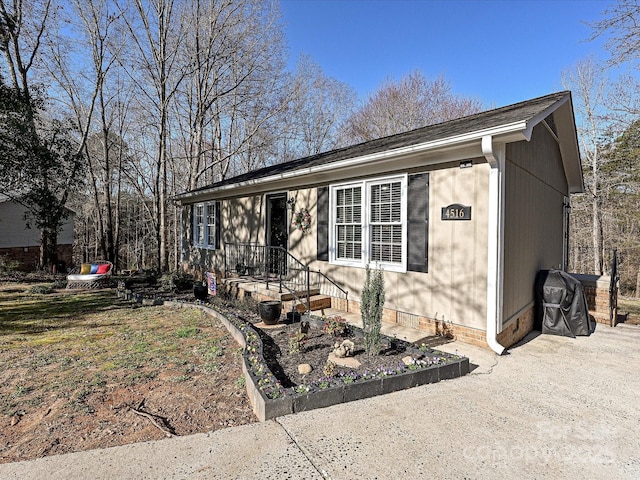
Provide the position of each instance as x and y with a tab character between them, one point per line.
460	215
21	244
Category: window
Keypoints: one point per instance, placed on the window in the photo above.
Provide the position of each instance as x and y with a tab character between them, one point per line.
386	223
349	223
198	231
368	223
206	225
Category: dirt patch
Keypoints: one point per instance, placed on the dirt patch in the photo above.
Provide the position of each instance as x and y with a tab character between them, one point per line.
88	370
629	310
93	372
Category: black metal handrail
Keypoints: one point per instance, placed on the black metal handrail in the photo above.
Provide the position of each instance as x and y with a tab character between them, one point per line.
269	264
613	289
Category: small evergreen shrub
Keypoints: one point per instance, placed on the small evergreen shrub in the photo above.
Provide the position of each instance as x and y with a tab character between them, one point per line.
8	266
177	281
296	342
371	309
336	326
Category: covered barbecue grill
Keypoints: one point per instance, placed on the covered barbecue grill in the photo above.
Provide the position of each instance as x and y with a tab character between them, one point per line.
561	306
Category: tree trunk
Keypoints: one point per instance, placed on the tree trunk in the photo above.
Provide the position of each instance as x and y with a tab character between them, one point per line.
48	249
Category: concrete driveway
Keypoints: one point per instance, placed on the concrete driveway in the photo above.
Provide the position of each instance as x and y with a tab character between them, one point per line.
554	407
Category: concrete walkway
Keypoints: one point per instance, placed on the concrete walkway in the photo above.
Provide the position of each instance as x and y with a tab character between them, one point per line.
555	407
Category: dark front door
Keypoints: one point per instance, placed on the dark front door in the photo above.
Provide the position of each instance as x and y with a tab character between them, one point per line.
277	232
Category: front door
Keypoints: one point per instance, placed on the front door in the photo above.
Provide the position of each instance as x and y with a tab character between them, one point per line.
277	233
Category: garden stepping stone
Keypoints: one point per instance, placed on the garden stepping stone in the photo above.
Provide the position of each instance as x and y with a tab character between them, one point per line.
348	362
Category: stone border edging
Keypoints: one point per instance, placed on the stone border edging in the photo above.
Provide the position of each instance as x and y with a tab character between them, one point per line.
267	408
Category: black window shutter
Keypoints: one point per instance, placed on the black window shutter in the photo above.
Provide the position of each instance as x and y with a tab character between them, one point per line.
418	223
323	224
217	226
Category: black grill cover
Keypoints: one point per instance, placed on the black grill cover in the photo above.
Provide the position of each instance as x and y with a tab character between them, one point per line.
561	306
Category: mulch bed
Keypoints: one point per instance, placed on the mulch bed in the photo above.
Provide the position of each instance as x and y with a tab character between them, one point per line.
315	352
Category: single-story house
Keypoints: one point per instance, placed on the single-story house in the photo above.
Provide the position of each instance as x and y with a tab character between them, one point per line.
21	244
460	216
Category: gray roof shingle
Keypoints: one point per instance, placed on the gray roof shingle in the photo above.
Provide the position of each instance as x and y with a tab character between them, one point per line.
517	112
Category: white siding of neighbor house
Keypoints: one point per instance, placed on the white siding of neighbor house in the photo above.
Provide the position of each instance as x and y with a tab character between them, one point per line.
14	232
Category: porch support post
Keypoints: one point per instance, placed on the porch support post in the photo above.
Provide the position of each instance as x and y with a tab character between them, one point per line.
495	155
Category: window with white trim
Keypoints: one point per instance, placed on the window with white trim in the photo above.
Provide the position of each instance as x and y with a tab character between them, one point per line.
205	225
368	223
385	219
348	223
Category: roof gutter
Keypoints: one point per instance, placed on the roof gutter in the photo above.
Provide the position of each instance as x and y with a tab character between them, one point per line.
495	155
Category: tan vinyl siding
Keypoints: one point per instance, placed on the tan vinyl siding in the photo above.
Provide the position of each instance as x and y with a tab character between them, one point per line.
455	287
242	221
303	246
534	193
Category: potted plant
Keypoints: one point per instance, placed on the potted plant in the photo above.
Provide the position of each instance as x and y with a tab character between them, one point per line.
200	290
270	311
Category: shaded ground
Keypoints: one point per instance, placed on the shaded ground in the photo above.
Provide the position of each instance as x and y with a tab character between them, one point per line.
629	310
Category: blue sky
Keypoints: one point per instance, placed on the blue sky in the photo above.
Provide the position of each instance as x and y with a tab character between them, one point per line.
500	52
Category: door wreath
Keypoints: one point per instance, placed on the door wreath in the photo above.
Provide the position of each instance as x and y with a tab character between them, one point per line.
302	220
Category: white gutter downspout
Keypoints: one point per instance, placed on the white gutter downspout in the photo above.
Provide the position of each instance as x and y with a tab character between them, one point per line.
495	266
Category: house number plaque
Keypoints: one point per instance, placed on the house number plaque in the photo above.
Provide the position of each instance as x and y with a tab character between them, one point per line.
456	211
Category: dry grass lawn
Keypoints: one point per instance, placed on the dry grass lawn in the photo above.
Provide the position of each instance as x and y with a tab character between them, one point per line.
83	370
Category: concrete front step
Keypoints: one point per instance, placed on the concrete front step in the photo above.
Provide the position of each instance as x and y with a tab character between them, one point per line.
318	302
302	295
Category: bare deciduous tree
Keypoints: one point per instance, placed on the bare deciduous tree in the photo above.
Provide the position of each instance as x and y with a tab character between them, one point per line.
413	102
318	107
622	23
97	41
156	33
588	82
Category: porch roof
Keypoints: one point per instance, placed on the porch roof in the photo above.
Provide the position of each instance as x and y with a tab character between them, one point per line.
446	142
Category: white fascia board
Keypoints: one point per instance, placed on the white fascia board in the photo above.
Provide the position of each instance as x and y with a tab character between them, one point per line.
542	115
506	133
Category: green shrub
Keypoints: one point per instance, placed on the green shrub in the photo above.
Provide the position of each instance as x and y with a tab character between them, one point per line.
371	309
296	342
41	289
336	326
177	281
59	284
8	266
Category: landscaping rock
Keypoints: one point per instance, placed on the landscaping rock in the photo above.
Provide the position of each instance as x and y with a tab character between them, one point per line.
408	360
304	368
344	349
348	362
